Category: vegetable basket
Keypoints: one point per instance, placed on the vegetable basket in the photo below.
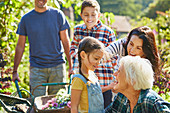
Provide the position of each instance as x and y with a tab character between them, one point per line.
40	101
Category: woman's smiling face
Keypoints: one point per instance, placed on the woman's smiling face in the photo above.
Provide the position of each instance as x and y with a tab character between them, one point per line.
134	47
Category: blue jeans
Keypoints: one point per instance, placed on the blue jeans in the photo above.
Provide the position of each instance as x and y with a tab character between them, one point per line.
95	96
46	75
107	98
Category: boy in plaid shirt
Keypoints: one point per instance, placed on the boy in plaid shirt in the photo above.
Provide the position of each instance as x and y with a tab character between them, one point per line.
90	13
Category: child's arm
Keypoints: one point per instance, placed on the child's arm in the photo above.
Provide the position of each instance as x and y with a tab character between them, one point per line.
74	44
111	38
74	51
75	100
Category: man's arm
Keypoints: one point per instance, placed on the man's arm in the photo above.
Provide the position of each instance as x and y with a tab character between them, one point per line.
66	44
19	50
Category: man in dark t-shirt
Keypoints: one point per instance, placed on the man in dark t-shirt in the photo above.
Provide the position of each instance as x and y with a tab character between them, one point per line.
47	32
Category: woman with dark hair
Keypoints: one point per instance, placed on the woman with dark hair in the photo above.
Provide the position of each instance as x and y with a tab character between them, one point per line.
140	42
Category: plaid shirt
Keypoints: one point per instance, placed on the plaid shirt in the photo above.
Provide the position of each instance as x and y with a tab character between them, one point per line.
148	102
104	71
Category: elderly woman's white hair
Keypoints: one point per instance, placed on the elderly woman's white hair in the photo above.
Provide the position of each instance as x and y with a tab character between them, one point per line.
138	71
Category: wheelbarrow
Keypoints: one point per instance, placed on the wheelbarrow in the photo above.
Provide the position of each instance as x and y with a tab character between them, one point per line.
9	102
14	104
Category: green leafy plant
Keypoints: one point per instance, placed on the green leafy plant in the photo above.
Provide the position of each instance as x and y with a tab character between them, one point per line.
162	83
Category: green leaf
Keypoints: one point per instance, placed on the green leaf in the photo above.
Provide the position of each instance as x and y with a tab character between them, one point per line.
2	4
56	4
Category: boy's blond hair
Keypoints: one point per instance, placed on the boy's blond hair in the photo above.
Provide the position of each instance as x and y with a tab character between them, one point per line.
90	3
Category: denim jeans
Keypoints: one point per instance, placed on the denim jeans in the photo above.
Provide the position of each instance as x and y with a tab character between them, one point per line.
107	98
46	75
95	96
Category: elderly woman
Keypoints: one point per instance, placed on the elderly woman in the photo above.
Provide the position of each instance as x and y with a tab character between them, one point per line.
134	82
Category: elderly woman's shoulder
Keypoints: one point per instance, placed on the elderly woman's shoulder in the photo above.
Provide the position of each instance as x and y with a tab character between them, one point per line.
150	96
153	100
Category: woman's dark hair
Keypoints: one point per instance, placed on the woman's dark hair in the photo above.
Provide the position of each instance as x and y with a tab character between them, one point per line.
88	45
149	45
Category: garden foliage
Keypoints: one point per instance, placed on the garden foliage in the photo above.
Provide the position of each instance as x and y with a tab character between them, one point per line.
11	12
